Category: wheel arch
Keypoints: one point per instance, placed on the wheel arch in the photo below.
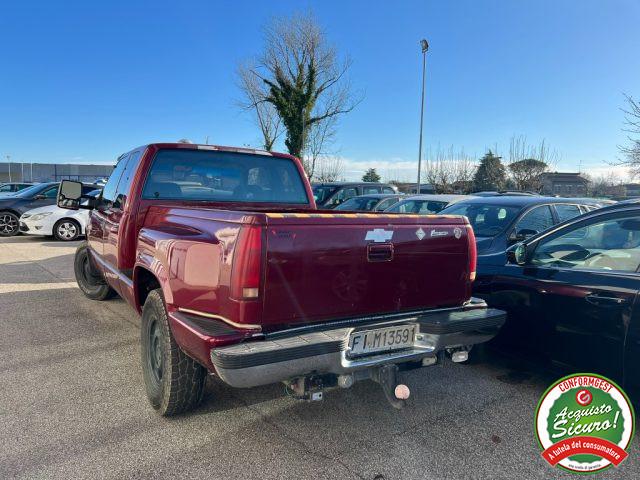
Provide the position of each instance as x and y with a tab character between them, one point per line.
145	281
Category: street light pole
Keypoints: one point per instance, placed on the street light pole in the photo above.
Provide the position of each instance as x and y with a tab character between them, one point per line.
424	45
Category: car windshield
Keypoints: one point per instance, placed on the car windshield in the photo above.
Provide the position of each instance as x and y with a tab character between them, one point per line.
321	193
359	203
422	207
486	220
31	191
215	176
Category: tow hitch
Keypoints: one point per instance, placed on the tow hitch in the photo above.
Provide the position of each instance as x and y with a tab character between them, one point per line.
396	393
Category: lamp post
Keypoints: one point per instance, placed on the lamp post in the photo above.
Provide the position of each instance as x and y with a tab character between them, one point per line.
424	45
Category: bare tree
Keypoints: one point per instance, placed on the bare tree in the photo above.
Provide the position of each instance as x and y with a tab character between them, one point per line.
608	184
266	116
319	140
329	169
521	149
449	171
304	79
631	151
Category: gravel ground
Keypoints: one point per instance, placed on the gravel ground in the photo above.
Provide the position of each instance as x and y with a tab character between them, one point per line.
72	405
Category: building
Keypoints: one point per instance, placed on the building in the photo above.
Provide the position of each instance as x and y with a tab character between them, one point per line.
48	172
564	184
631	189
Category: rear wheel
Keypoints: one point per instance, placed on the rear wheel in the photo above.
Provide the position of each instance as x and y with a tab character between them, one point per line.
9	224
66	230
174	382
89	279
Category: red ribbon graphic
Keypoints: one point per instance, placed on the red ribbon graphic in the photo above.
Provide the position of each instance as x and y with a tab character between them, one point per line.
591	445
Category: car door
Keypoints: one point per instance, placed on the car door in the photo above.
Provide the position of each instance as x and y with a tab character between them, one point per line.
105	218
114	216
533	221
571	303
45	198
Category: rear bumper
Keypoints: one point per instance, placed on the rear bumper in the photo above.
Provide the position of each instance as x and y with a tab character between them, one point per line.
283	356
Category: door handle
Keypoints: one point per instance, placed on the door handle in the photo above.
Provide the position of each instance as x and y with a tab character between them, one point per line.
597	299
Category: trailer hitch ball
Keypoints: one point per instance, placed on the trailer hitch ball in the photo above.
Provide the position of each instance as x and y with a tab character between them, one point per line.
402	392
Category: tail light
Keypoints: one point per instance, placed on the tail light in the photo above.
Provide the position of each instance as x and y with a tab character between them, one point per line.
247	263
473	253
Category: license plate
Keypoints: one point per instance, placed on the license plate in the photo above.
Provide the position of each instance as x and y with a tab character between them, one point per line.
382	339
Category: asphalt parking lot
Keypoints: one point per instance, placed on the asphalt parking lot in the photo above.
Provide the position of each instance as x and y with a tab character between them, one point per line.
72	405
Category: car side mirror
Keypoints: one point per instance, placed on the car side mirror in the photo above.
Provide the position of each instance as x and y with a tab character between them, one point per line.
39	197
522	235
518	254
69	195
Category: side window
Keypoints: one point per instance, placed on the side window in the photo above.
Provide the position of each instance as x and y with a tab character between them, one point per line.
5	188
388	190
370	190
536	220
384	204
344	194
51	192
122	190
109	191
566	212
605	245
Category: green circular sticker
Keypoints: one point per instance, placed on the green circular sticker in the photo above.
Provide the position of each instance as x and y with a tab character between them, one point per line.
584	423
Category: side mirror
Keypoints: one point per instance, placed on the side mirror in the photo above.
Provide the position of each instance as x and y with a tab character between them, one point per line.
522	235
518	254
39	197
69	195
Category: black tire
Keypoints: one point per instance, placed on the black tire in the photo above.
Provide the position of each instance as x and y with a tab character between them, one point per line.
67	230
174	382
89	279
9	224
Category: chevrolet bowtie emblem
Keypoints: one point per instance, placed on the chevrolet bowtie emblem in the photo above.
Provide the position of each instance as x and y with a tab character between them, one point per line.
379	235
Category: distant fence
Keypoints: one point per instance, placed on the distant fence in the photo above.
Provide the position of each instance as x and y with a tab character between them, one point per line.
47	172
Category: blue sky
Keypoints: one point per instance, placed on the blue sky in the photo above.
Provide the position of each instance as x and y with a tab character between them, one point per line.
85	81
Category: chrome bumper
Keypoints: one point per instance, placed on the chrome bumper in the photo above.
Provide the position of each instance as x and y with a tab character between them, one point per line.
283	356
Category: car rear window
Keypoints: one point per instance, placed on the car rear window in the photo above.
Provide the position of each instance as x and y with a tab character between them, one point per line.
205	175
486	220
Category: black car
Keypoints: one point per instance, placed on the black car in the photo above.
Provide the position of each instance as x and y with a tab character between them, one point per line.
501	221
370	203
571	296
40	195
330	195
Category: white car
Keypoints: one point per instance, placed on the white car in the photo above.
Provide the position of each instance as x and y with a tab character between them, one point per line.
63	224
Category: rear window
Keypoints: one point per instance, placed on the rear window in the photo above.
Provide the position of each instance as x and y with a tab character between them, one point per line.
422	207
486	220
204	175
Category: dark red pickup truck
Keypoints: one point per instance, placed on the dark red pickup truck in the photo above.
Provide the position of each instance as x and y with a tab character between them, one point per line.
235	272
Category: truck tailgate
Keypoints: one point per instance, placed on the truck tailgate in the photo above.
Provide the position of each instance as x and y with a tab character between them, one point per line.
326	266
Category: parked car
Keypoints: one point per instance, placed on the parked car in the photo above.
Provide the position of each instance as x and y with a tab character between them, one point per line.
10	188
425	204
243	277
498	193
501	221
36	196
330	195
571	296
370	203
61	223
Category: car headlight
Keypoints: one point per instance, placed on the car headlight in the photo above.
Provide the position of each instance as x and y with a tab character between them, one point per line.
40	216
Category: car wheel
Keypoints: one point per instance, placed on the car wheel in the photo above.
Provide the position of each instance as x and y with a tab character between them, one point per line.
89	279
9	224
66	230
174	382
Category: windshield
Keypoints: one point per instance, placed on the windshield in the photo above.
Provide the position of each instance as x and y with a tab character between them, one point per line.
321	193
422	207
359	203
486	220
205	175
31	191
